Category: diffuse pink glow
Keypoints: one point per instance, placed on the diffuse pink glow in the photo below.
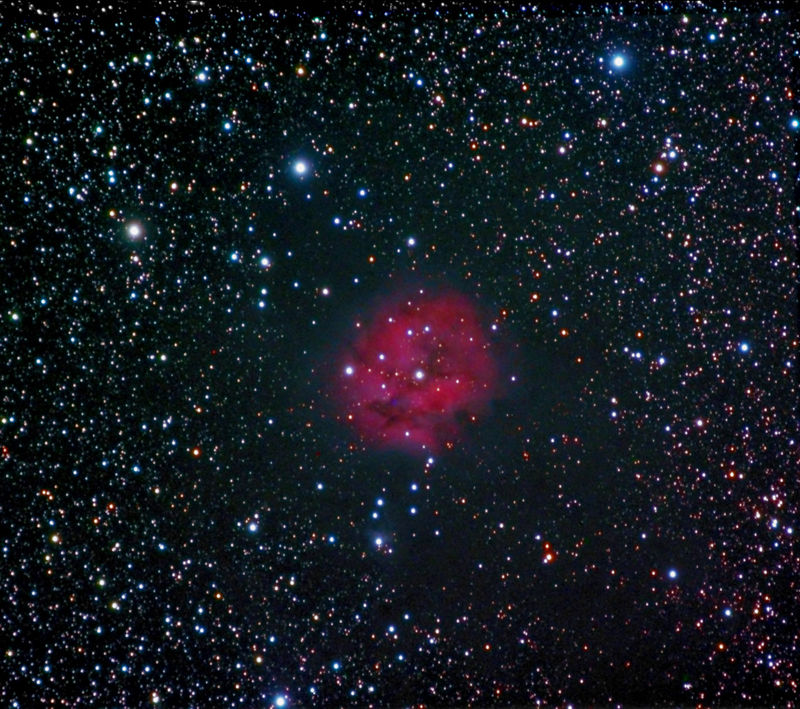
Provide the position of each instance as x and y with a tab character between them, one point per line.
416	372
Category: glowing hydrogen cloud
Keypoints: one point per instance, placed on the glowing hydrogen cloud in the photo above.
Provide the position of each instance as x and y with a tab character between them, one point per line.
417	372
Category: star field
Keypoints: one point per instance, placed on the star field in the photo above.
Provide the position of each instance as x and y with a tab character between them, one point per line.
202	209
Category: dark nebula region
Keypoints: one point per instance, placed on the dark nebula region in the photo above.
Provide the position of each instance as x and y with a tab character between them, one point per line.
418	371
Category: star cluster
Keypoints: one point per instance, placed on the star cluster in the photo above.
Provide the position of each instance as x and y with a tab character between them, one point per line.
199	204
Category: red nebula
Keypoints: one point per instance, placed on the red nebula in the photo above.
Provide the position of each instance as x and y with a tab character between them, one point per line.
416	372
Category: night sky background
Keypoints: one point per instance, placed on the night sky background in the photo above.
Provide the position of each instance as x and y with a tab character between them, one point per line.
201	207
